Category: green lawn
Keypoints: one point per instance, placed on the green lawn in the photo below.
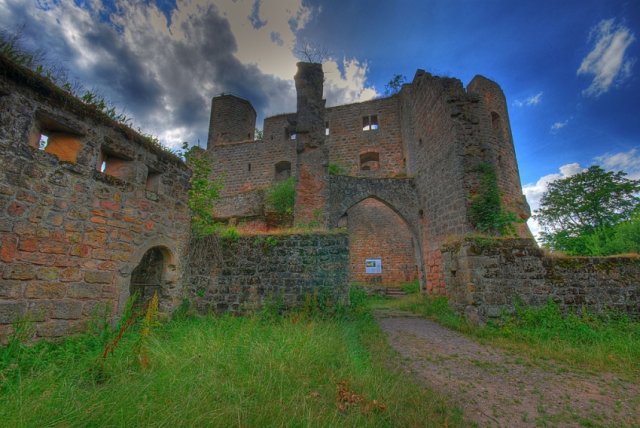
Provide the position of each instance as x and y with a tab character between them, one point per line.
260	371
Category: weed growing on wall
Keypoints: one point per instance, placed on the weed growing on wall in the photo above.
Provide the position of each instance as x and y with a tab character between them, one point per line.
335	169
204	191
281	196
487	213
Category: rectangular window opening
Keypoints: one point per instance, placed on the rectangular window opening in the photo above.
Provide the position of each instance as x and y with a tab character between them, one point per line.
326	128
153	181
370	123
59	140
116	166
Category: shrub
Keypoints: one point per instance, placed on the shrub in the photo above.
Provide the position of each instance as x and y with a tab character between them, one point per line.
281	196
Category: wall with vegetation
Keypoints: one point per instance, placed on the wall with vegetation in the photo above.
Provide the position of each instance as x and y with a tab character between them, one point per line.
486	277
242	273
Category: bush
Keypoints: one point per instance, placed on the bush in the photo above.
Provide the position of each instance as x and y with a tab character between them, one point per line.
281	196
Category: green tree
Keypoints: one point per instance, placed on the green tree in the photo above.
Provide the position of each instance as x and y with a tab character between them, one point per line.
582	214
204	191
395	84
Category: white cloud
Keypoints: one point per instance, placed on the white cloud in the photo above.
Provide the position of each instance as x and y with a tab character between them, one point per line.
533	100
628	162
559	125
606	62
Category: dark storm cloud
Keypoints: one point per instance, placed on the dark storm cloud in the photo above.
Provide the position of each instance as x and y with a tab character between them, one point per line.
164	82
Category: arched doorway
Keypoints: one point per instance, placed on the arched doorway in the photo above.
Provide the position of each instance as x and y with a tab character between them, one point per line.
383	249
148	276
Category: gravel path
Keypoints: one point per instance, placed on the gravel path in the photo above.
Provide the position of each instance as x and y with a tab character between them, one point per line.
497	388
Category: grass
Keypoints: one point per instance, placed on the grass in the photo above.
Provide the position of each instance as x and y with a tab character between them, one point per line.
264	370
607	343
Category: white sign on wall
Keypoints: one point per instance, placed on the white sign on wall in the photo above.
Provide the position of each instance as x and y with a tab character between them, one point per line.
373	266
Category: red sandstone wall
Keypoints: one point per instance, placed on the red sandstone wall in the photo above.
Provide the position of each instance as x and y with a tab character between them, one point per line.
70	236
347	141
375	231
433	152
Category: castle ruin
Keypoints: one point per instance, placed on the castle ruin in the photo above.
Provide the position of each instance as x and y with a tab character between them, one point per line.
92	212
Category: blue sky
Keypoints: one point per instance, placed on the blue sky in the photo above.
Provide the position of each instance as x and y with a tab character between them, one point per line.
569	68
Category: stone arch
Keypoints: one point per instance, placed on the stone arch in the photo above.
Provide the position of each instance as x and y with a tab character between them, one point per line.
377	231
399	194
168	276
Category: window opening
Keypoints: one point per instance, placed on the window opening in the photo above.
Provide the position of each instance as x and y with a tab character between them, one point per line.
326	128
282	170
249	167
369	161
496	123
59	140
153	181
288	135
116	166
370	123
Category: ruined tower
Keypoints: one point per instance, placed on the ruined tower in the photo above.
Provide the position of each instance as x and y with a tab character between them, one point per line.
232	119
313	156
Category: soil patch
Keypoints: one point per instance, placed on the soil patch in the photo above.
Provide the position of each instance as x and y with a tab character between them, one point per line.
498	388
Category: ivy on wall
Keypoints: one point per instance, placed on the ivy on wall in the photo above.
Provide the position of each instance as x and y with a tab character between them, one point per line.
487	213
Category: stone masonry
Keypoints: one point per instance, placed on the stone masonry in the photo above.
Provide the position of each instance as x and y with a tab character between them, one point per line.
417	152
283	268
79	212
486	277
91	212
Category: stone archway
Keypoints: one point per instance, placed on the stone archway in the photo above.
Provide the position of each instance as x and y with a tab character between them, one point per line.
153	263
382	248
147	278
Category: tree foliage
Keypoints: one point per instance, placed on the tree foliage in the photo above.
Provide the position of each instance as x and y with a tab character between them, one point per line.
588	213
395	84
204	191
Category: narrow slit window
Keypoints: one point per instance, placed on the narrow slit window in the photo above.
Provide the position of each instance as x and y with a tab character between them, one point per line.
248	167
326	128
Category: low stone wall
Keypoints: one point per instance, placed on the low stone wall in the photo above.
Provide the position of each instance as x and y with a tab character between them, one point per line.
485	277
238	276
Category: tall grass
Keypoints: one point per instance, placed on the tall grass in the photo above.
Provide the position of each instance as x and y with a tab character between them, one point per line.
299	369
607	342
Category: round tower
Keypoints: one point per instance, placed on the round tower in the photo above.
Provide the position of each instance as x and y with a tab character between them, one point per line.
233	119
494	119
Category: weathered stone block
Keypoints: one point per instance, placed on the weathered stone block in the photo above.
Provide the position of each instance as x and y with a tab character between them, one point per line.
45	290
66	309
11	311
22	271
98	277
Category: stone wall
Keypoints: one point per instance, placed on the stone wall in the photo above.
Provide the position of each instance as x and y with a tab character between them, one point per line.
486	276
347	141
71	235
238	276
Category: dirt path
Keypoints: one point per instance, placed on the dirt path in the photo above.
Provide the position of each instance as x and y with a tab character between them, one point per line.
496	388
